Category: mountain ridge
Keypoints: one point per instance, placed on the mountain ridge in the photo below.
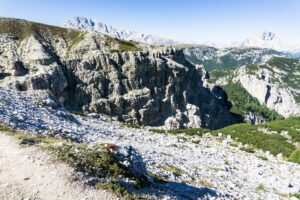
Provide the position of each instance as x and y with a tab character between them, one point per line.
83	23
271	40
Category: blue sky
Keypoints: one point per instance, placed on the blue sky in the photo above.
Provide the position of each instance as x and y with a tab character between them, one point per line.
185	20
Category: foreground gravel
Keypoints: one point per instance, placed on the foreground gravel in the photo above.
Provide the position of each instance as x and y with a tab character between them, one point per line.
30	174
205	167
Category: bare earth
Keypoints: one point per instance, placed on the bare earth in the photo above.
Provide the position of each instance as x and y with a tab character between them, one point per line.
29	173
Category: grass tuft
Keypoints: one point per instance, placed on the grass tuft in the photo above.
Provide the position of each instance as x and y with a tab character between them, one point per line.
260	187
175	170
295	156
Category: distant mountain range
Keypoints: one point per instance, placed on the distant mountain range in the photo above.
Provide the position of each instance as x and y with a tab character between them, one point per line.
271	40
267	40
83	23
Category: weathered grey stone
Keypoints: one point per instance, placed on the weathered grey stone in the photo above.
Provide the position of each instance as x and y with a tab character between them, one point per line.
154	87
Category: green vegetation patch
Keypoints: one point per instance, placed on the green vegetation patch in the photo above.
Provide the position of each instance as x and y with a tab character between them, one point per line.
23	29
256	138
252	69
74	42
190	131
207	184
295	195
230	58
248	149
260	187
80	113
157	130
295	156
28	139
249	134
291	125
158	178
175	170
5	128
219	74
243	102
123	45
283	63
118	190
95	160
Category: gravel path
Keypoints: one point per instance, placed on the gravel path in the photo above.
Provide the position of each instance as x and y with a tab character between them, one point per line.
28	173
207	167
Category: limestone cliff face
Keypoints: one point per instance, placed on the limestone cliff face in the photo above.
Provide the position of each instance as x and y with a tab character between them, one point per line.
89	71
269	86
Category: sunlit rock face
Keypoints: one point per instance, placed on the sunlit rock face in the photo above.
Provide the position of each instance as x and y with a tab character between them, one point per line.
89	72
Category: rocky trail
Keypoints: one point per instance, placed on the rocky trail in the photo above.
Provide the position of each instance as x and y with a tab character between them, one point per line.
29	173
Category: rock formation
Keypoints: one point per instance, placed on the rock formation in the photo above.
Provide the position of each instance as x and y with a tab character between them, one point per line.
92	72
272	87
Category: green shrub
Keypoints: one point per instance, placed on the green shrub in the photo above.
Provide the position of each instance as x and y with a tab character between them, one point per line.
31	139
136	126
158	178
80	113
118	190
28	139
158	130
260	187
295	195
93	160
4	128
175	170
207	184
248	149
190	131
263	157
295	156
114	188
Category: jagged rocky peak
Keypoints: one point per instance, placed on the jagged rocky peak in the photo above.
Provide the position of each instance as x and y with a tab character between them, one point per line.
83	23
267	36
96	73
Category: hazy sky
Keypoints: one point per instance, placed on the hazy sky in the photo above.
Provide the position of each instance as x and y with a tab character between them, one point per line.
183	20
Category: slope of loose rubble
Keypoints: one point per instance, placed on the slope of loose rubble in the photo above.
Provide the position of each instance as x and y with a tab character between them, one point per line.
195	167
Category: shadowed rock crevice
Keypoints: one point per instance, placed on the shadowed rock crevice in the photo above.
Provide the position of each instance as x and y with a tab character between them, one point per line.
268	94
